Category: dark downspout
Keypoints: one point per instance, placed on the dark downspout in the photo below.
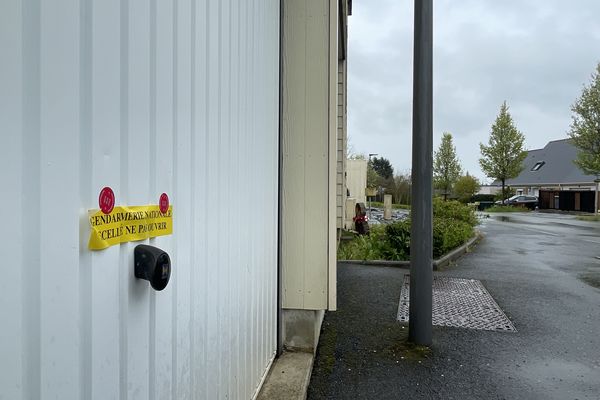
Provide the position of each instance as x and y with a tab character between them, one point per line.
279	194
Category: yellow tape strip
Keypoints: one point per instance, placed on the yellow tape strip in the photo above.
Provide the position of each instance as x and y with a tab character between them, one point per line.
128	224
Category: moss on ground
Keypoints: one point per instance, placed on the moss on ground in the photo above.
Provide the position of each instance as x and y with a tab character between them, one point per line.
594	218
327	343
403	349
591	278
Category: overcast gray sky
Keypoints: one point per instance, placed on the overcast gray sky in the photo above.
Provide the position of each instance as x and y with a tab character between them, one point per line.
535	54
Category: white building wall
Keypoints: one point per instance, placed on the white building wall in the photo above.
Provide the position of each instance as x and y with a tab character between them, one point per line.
342	140
145	97
489	189
309	107
356	179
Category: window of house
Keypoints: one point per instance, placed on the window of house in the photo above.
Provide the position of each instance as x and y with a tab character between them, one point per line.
538	165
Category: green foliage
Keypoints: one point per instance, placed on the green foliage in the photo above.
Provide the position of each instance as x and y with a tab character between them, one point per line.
508	192
446	167
448	234
398	235
590	218
465	188
453	225
373	180
374	246
454	210
483	197
585	126
507	209
380	175
502	158
383	167
402	188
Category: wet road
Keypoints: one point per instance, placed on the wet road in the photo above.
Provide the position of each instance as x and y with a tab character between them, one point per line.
543	271
560	243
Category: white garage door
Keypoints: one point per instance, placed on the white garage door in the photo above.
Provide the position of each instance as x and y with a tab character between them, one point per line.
145	97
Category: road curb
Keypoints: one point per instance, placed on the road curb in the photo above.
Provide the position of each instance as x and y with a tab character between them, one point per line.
439	263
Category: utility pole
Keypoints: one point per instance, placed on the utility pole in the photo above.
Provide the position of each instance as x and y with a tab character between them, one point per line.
369	197
421	247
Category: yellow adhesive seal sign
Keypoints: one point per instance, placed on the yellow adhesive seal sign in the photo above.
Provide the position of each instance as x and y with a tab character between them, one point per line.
128	224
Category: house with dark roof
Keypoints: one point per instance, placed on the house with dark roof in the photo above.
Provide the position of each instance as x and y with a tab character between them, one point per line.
550	174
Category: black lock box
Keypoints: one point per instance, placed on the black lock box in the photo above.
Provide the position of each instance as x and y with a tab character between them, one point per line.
153	265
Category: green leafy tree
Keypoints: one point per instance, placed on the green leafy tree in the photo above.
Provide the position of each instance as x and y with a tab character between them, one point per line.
383	167
402	188
380	175
502	158
465	188
446	167
372	177
585	128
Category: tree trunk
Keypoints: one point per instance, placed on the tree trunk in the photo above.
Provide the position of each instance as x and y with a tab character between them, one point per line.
597	181
503	195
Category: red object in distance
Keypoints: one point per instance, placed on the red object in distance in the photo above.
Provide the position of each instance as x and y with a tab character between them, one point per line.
163	203
106	200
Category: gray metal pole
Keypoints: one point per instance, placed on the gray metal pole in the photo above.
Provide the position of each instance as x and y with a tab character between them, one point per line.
421	247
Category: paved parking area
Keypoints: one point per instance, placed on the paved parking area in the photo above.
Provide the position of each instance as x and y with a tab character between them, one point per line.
542	271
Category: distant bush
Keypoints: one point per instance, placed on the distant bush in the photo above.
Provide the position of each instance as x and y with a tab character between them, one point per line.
483	197
453	225
588	217
508	192
499	208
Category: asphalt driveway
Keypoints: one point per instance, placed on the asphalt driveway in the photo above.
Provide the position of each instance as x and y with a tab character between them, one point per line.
543	272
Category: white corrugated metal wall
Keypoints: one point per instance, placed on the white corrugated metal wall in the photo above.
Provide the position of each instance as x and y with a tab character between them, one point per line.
145	96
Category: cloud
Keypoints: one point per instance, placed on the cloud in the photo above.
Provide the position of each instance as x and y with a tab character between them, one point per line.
536	55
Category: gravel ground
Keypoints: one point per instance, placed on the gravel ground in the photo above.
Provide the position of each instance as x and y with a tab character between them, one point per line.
543	272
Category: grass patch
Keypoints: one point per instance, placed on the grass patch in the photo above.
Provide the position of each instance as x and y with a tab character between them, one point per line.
506	209
453	225
594	218
378	204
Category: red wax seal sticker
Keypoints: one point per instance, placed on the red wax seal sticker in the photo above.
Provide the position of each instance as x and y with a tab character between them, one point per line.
106	200
163	203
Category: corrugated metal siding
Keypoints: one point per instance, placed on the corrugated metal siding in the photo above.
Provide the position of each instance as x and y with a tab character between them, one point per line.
342	140
146	97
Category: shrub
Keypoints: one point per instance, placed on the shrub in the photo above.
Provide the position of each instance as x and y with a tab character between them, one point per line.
374	246
398	235
498	208
453	225
508	192
483	197
448	234
454	210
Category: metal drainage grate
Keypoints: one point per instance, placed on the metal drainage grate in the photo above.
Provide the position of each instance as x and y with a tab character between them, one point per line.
461	303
